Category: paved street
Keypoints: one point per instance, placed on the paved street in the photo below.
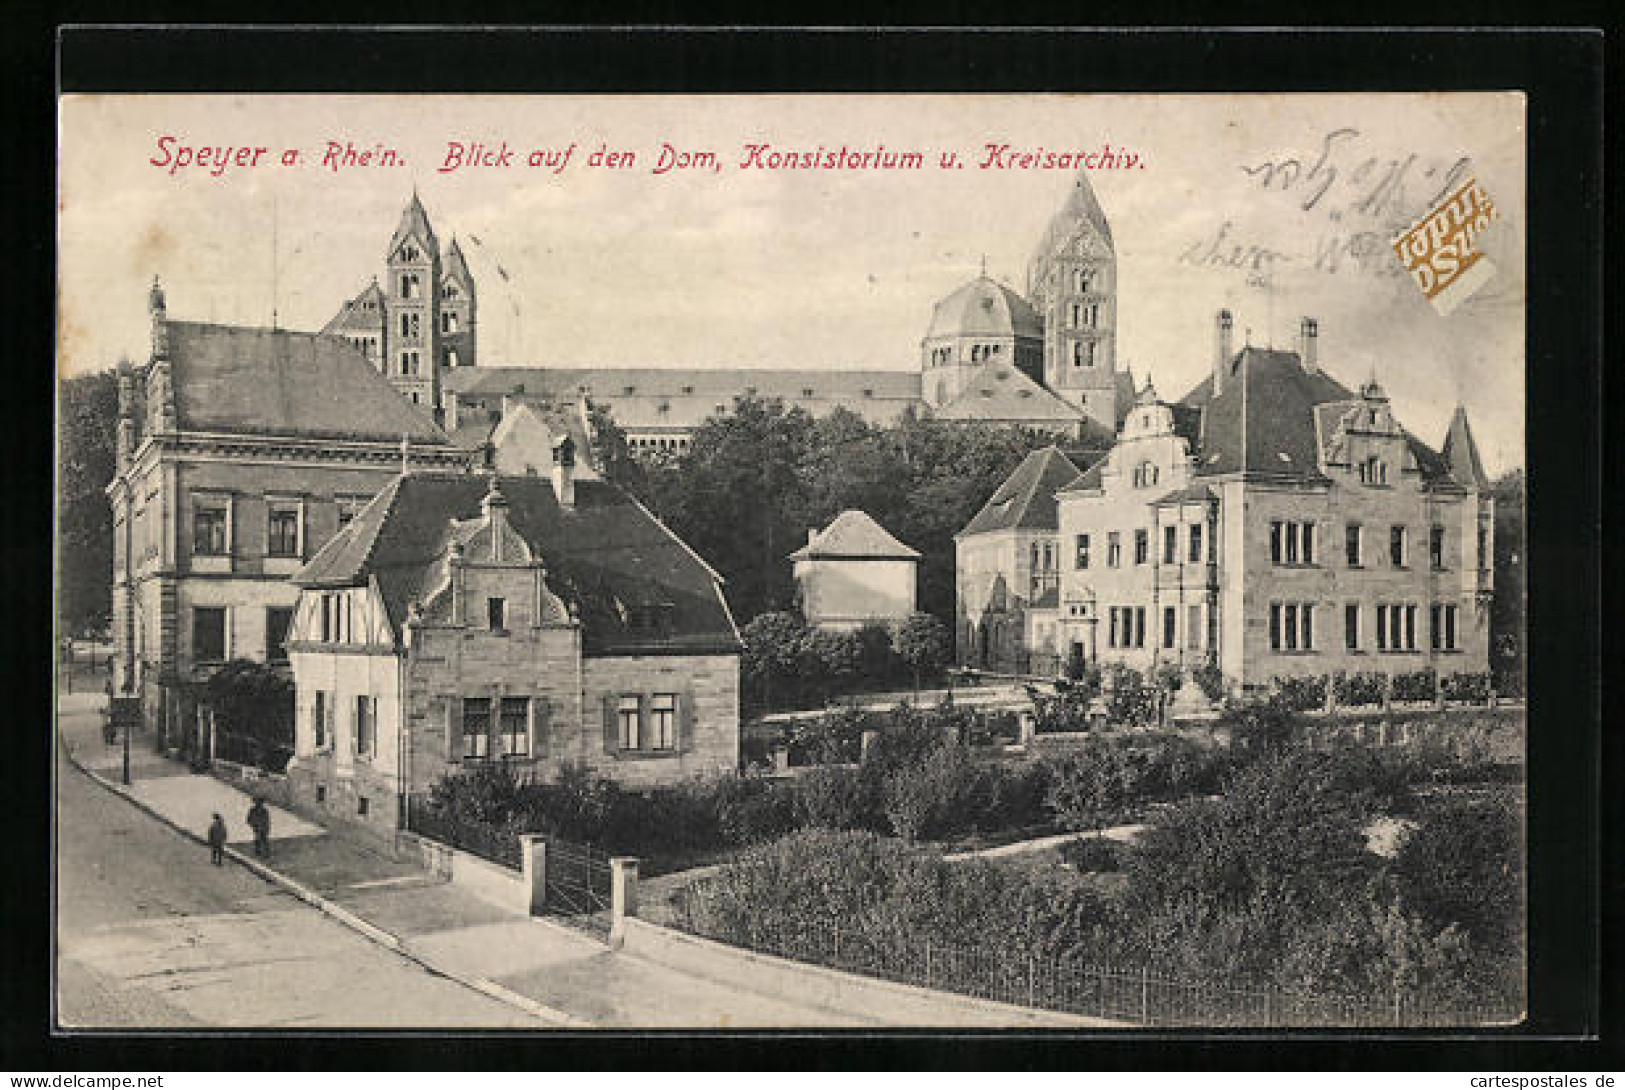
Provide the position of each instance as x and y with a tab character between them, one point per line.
150	934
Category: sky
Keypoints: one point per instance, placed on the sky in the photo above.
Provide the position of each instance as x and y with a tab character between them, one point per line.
1275	206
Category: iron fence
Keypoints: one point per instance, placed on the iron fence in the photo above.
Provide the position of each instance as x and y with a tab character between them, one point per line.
489	842
1092	989
578	880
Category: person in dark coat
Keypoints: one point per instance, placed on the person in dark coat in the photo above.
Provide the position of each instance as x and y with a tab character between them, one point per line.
259	819
217	840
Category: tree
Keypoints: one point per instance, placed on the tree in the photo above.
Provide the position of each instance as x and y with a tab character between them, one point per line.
922	643
1463	866
833	657
612	454
1507	607
254	703
87	414
773	647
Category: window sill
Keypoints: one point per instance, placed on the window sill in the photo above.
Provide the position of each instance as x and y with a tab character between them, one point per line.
645	754
1291	653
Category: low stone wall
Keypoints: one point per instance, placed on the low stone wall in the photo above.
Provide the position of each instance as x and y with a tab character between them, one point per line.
515	890
794	981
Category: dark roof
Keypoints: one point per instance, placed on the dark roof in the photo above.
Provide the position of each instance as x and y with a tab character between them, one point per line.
1089	478
1195	492
457	267
710	385
1002	392
1460	453
1026	499
414	223
605	553
366	312
274	381
854	535
1263	421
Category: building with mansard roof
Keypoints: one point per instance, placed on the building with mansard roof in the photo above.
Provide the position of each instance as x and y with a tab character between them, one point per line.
1273	522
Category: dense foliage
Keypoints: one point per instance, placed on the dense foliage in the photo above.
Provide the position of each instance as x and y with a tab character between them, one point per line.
87	421
1507	637
754	479
1269	884
786	664
254	711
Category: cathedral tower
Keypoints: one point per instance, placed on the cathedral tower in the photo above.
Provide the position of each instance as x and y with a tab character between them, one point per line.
458	311
1072	284
411	357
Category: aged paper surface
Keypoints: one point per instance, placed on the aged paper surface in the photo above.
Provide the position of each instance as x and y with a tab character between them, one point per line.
887	254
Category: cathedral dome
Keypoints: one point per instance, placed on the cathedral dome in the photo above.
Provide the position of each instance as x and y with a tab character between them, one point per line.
984	307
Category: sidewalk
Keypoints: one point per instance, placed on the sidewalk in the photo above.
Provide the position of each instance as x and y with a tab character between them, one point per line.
561	977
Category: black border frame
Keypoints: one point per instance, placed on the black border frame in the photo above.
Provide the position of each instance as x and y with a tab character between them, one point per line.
1562	73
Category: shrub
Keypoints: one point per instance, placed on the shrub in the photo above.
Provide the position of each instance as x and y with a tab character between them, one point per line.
1169	677
1414	686
1089	788
836	737
1093	853
923	644
876	659
1210	679
1129	700
254	704
1467	688
748	809
1463	865
1358	690
934	797
1067	710
1261	725
836	798
1302	694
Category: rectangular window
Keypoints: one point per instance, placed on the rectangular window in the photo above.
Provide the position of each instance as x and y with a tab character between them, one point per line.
496	614
1435	627
1275	543
1351	626
366	725
1139	626
476	728
1382	628
1483	547
629	718
1170	618
1289	625
1275	626
209	530
515	714
277	622
1396	546
1114	550
208	635
1436	547
319	719
1080	559
1170	544
1142	546
1410	628
1291	529
663	721
1449	628
1196	543
1112	640
282	536
1306	619
1351	544
1308	543
1193	627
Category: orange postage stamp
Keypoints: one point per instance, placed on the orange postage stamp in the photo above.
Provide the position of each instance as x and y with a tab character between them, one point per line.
1438	249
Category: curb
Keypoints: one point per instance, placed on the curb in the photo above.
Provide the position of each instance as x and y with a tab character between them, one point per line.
342	915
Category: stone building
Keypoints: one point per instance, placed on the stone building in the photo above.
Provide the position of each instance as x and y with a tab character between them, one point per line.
854	573
240	452
422	323
1271	522
1046	361
537	620
1007	569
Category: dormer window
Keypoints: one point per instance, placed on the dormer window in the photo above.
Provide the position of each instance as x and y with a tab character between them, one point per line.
1374	471
1146	474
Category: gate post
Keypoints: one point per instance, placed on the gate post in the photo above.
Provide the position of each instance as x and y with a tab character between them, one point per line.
623	893
533	865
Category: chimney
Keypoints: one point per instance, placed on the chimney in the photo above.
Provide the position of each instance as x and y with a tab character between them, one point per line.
564	472
1307	335
812	535
1221	350
494	508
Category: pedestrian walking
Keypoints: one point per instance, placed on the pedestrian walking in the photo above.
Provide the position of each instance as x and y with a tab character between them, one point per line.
217	840
259	819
